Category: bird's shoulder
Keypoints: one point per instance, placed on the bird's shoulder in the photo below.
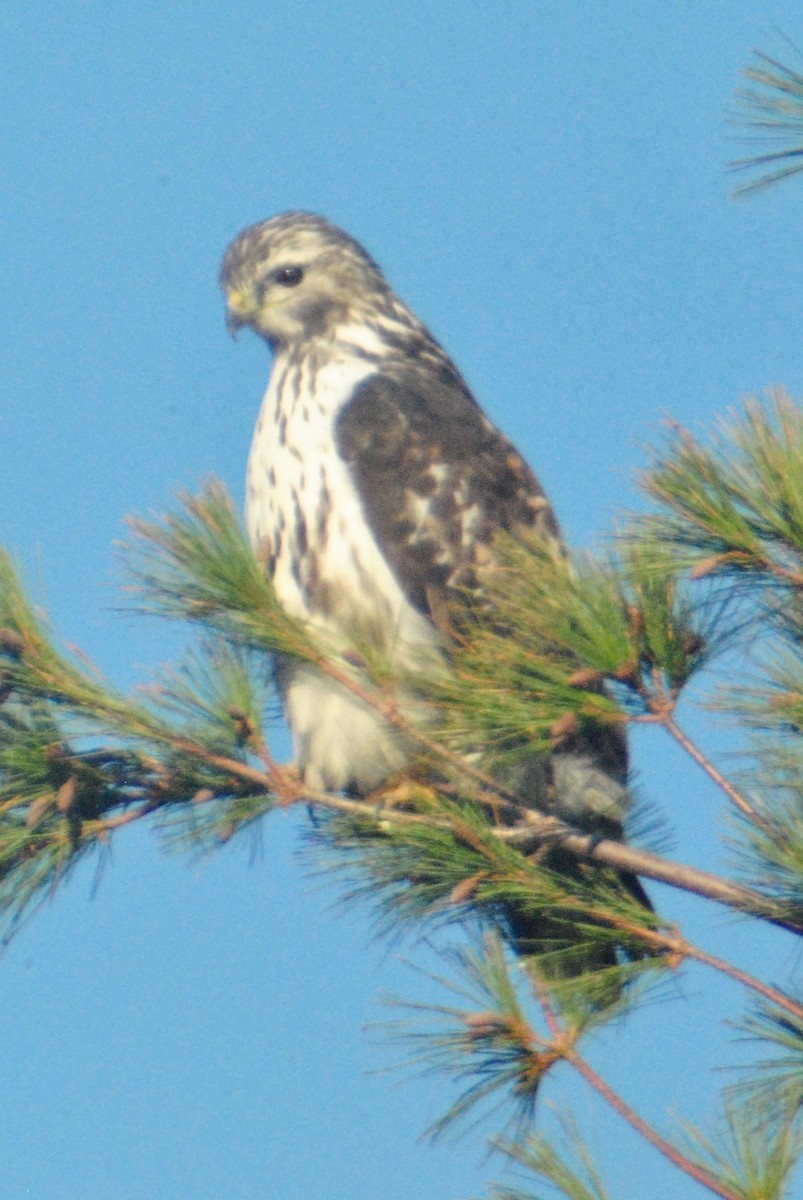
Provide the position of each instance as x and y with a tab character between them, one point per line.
437	480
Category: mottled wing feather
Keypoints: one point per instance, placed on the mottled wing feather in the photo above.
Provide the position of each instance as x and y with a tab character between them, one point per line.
438	482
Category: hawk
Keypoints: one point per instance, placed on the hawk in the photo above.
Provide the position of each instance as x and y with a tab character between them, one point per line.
375	487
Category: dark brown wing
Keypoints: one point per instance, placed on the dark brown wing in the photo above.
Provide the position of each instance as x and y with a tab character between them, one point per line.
437	480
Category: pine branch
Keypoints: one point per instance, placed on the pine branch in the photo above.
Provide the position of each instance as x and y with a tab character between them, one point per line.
733	510
667	720
754	1160
622	856
495	1044
773	110
561	649
540	1158
188	555
774	1084
683	1162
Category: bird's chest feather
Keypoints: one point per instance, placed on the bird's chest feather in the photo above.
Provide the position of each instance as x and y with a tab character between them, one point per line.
305	517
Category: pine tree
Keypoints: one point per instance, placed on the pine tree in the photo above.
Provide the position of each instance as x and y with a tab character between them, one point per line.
712	573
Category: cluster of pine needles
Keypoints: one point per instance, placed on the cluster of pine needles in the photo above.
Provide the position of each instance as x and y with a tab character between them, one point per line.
563	645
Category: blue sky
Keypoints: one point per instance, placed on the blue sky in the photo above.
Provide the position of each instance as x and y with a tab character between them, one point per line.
545	184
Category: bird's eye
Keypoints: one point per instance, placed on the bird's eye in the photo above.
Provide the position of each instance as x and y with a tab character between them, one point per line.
288	276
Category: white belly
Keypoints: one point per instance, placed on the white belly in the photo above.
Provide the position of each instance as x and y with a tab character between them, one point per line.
303	509
339	742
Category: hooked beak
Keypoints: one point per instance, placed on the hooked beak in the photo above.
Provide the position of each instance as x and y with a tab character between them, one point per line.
234	322
238	308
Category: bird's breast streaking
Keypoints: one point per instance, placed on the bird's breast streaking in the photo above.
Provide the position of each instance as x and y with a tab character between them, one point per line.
376	488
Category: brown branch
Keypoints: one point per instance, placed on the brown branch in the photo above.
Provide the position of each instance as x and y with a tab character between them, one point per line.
668	722
650	1135
537	830
619	855
720	964
233	766
611	852
679	947
562	1044
540	829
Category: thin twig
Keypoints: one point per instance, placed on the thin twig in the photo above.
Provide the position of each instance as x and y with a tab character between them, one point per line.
735	973
555	1028
283	781
734	795
647	1131
563	1045
125	818
678	946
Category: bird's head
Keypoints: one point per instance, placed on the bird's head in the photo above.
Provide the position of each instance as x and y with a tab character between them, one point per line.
296	276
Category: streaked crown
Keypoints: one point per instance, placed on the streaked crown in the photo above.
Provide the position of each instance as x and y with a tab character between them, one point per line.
296	276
